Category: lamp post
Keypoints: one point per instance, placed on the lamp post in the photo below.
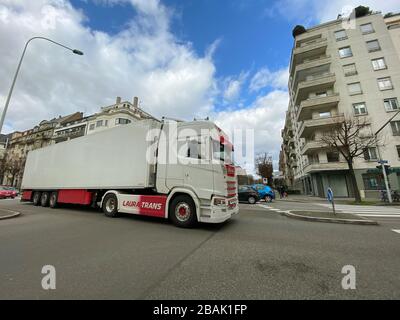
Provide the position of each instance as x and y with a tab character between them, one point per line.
75	51
382	163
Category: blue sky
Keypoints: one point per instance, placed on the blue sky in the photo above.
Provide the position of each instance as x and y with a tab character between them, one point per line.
249	38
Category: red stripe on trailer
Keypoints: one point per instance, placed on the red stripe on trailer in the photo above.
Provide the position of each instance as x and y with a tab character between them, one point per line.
153	206
27	195
230	170
75	196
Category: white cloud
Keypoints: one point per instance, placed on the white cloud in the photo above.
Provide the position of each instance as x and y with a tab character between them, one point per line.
266	116
144	60
233	87
266	78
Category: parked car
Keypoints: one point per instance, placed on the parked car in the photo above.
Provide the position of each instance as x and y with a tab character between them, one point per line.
248	194
14	191
5	193
264	192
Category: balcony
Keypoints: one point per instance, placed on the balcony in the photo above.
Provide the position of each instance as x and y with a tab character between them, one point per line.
317	104
305	65
314	83
325	166
311	147
318	44
309	126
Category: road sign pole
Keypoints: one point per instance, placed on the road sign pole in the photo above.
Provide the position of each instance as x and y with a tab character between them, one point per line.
389	194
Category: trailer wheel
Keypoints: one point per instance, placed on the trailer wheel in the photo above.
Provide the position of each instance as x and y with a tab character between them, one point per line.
110	205
44	199
36	198
53	200
182	212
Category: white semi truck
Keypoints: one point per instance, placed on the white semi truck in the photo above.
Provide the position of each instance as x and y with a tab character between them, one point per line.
176	170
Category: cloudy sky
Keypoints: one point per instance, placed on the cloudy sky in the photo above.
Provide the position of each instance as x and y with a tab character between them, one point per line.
225	59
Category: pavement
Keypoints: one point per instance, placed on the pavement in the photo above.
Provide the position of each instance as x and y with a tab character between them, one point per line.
259	254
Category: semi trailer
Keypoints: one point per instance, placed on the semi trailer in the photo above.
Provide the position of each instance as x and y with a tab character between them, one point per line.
180	171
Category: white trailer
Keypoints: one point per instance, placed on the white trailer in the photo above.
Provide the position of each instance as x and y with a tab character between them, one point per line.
132	169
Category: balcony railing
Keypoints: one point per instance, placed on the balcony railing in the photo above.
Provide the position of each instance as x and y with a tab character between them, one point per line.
311	45
309	126
324	80
326	166
314	103
320	61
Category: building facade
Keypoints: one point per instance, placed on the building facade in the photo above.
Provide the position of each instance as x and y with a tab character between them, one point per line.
338	73
20	143
120	113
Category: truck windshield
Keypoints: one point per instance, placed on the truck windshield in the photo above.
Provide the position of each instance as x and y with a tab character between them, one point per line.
222	152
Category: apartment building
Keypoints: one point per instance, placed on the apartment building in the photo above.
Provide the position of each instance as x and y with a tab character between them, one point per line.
336	73
120	113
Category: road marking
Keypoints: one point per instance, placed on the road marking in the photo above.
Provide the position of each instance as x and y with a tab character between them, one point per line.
397	231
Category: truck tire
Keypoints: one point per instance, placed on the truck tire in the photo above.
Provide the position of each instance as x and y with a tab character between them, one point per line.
110	205
36	198
44	199
182	212
53	200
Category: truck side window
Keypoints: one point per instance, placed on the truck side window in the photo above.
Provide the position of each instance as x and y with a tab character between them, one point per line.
193	150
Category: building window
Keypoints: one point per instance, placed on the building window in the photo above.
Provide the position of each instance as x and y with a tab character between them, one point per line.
367	28
345	52
321	94
372	182
99	123
340	35
354	88
391	104
325	114
122	121
379	64
385	83
92	126
332	156
398	151
360	108
350	69
395	128
373	46
106	123
370	154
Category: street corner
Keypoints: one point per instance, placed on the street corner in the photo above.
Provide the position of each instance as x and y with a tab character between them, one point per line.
8	214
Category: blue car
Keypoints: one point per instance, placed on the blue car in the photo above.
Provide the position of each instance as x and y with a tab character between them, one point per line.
265	192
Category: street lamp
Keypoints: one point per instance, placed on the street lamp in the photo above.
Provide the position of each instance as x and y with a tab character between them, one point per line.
381	162
75	51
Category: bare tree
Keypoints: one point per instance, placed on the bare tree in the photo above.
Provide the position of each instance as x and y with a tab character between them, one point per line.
352	138
264	166
14	168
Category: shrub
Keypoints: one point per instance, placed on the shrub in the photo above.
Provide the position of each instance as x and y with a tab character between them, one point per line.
298	30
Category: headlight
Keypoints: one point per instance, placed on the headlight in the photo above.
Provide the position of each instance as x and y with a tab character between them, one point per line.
219	202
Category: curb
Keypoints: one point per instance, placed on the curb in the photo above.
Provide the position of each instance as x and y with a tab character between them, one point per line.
329	220
13	214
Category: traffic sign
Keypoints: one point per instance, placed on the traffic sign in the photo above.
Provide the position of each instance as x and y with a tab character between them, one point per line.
330	195
383	162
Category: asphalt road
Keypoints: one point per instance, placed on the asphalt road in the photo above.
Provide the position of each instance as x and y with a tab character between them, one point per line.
257	255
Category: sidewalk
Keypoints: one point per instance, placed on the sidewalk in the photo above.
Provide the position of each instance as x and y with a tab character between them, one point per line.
349	201
8	214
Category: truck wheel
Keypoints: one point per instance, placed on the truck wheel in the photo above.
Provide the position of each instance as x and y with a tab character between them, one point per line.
36	198
182	212
251	200
44	199
53	200
110	205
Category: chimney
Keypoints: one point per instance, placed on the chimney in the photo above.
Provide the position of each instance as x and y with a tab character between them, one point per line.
136	102
118	100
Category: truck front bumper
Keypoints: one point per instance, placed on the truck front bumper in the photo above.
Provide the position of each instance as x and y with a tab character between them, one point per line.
221	213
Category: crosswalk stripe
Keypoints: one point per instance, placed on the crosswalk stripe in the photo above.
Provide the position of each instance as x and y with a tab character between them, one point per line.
397	231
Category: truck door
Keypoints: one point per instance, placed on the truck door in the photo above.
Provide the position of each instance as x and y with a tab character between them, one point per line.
198	173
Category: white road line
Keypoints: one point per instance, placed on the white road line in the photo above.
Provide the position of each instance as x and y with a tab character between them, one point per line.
380	215
397	231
